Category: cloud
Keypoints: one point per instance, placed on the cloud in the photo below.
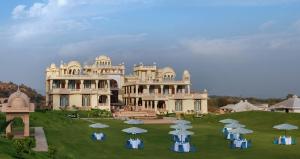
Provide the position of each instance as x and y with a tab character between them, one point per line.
248	44
267	25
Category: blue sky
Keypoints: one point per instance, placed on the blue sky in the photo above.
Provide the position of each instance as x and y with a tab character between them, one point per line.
231	47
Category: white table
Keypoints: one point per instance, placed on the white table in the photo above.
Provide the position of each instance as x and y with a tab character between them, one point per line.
238	143
186	146
98	136
135	143
288	140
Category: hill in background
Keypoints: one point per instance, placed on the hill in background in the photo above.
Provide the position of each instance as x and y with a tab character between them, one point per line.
7	88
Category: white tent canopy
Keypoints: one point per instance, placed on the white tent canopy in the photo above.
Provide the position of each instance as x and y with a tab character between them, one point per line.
241	106
292	103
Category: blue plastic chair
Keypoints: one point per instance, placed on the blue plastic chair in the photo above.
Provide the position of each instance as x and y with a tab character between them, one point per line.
232	137
180	148
243	146
226	132
249	143
283	141
293	141
128	145
231	145
192	149
241	137
276	141
141	145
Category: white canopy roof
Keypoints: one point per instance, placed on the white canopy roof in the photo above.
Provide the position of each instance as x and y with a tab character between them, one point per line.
291	103
241	106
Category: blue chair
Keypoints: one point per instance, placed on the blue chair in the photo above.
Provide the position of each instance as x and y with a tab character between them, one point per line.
128	145
241	137
232	137
172	148
141	145
226	132
276	141
187	139
231	145
293	141
93	137
249	143
103	138
192	149
283	141
243	146
180	148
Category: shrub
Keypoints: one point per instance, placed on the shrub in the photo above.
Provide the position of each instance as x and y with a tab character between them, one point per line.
52	152
23	146
10	136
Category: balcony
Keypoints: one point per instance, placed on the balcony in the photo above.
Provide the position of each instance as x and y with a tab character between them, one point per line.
79	91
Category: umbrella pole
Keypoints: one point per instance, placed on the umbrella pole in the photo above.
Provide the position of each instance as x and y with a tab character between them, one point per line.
284	132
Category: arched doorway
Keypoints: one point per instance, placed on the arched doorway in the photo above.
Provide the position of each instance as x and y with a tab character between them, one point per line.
17	127
161	105
102	100
114	98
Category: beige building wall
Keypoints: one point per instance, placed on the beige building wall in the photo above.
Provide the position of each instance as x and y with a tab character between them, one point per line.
56	102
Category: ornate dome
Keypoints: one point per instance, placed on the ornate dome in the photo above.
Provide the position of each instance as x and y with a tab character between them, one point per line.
102	58
74	63
53	66
168	72
103	61
18	99
186	75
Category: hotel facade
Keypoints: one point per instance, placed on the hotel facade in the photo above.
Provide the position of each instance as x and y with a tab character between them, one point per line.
104	86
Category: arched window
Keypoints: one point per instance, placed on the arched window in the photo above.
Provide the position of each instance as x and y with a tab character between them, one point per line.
197	105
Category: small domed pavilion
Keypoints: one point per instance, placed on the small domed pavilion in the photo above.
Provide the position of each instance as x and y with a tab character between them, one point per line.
18	105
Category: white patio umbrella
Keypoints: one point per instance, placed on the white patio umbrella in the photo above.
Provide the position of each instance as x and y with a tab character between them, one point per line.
181	127
181	132
234	125
182	122
240	131
134	122
228	121
98	126
285	127
134	130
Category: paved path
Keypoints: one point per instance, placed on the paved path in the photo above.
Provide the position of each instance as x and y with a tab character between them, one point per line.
40	140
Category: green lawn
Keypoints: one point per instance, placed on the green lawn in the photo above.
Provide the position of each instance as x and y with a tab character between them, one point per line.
72	138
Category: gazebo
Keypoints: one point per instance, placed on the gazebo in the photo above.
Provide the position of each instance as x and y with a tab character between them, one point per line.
18	105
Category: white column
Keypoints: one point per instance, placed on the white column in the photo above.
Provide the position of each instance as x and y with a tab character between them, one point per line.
81	84
189	89
67	84
161	89
148	89
155	106
175	89
51	84
96	84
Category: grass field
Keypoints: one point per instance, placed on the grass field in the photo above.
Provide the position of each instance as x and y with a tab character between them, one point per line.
72	138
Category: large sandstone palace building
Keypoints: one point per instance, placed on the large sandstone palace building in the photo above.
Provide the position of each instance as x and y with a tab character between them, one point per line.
105	86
